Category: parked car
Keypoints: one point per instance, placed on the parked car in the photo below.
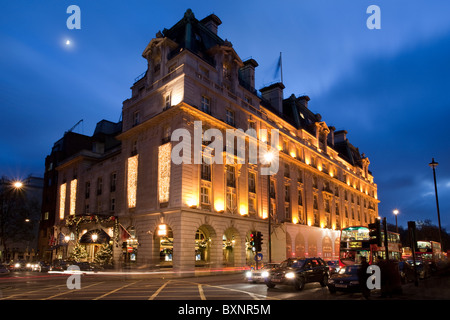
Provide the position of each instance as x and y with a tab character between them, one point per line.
260	274
298	272
345	280
59	265
87	266
3	270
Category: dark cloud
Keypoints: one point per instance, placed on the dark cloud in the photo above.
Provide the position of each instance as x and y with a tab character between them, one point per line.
396	110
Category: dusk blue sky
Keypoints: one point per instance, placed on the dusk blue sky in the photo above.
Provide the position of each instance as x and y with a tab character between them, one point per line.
388	88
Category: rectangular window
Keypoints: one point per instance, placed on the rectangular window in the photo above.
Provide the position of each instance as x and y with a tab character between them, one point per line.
300	175
99	185
112	205
168	101
287	212
231	177
251	205
231	201
229	117
316	202
165	135
251	182
327	205
206	105
87	190
136	118
272	189
204	195
113	182
287	194
300	197
206	171
286	170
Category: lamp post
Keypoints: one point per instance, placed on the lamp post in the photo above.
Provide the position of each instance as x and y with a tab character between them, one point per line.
268	157
433	165
396	225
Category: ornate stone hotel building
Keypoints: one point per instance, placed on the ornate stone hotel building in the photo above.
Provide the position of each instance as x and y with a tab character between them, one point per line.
127	191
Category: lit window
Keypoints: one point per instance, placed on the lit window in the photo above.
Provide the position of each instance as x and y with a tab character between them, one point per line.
62	201
204	195
73	196
164	161
132	180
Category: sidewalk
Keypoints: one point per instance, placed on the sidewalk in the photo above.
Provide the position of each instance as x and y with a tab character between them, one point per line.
436	287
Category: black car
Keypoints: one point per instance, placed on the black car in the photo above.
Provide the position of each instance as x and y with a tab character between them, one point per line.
345	280
298	272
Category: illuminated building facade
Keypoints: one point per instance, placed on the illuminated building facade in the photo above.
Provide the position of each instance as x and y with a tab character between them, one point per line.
202	214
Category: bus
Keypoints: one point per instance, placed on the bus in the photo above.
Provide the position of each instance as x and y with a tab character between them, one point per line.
355	244
429	251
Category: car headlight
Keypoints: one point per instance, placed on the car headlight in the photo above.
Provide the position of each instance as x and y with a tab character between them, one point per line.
290	275
17	265
248	274
265	274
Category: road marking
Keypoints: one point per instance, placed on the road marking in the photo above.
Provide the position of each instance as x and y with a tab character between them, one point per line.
159	290
115	290
70	291
29	292
200	290
255	296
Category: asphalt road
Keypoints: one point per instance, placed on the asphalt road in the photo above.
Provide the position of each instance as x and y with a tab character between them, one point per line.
229	287
37	286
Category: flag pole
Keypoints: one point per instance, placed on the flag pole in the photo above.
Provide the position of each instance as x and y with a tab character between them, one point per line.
281	68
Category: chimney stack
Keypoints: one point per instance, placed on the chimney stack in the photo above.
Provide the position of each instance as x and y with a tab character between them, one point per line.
340	136
211	22
248	72
274	95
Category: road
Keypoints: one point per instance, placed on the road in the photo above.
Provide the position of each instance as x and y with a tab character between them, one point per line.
126	286
36	286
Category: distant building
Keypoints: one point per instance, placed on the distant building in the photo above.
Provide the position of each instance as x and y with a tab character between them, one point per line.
128	192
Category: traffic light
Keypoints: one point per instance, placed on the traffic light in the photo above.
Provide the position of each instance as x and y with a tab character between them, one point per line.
258	241
253	240
375	233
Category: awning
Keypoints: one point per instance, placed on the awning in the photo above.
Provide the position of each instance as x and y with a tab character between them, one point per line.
95	236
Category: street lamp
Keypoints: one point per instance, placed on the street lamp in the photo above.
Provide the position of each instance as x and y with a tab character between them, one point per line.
396	225
17	185
268	157
433	165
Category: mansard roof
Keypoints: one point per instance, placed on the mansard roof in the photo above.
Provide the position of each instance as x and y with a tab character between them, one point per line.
193	35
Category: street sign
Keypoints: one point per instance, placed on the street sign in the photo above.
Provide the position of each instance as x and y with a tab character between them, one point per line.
258	256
